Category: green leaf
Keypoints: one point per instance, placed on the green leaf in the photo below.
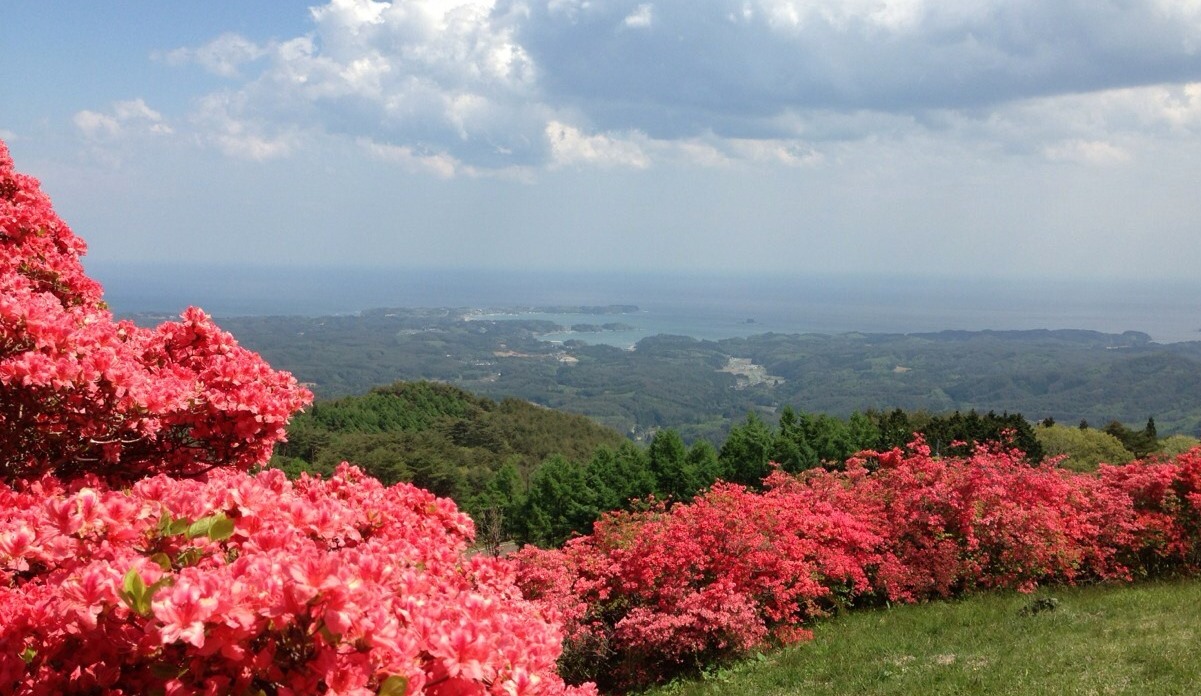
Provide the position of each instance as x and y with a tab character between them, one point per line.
162	559
200	527
187	557
221	529
170	526
216	527
133	583
165	580
394	685
135	594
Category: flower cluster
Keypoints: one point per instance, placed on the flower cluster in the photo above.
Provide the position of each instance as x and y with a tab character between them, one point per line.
82	393
651	593
241	583
137	555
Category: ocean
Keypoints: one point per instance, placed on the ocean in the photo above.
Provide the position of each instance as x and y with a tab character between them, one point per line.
706	306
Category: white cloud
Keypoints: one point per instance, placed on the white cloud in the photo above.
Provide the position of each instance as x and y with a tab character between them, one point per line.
137	112
495	85
253	147
1107	126
785	152
7	135
222	56
1090	152
569	145
97	126
711	151
1179	106
241	138
445	72
439	164
641	17
698	152
351	15
848	15
126	118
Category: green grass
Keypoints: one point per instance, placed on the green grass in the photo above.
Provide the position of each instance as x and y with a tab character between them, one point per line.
1143	639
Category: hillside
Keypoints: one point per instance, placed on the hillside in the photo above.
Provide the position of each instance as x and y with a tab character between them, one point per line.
436	436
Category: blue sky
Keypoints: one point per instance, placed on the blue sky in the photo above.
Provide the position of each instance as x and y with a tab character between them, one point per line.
998	138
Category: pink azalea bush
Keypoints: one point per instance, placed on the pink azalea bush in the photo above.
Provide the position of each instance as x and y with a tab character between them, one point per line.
239	583
82	393
137	555
653	593
1165	502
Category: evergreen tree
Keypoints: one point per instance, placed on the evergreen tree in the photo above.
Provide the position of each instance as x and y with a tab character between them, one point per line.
746	455
830	439
896	428
617	476
559	503
863	433
702	459
674	478
497	508
791	448
1140	442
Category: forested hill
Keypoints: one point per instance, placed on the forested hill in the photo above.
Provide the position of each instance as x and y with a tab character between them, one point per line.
529	474
437	436
702	387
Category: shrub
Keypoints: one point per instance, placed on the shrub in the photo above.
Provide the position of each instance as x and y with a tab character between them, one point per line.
137	555
655	593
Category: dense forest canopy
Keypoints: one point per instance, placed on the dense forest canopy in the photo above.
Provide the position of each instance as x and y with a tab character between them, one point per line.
437	436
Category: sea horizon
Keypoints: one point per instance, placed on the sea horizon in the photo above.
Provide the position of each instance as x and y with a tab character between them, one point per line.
702	305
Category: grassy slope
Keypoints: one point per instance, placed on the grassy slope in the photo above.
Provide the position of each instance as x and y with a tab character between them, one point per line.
1144	639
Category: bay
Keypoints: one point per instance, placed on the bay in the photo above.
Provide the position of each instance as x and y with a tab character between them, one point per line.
701	305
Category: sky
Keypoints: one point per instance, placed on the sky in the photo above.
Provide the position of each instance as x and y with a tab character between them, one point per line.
1004	139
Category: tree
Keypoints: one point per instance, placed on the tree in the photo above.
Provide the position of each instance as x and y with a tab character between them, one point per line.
746	454
1140	442
830	438
702	459
617	476
1174	445
497	508
896	427
791	448
1082	449
559	503
674	477
864	435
